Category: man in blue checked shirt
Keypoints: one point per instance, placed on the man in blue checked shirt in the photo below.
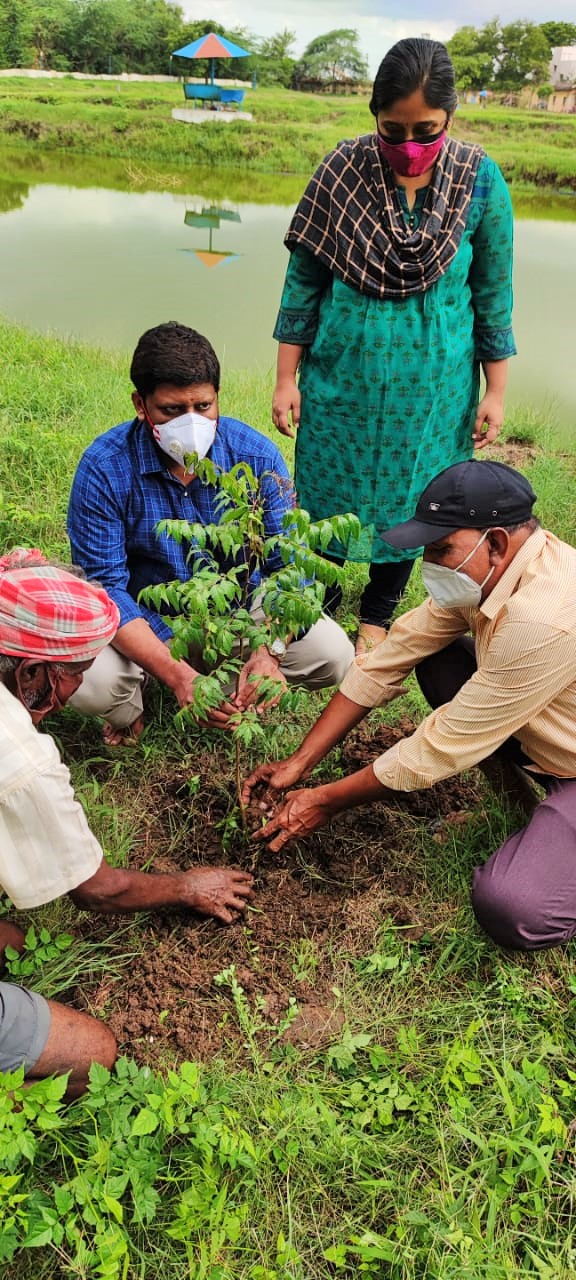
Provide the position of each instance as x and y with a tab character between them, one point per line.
128	480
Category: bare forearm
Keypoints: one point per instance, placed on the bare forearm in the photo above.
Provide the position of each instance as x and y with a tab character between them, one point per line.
289	358
137	641
496	374
336	720
358	788
112	889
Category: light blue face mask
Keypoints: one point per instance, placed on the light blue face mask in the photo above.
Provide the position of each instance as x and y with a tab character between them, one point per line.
451	589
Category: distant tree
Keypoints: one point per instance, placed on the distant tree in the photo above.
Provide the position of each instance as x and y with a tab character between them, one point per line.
474	53
279	46
123	35
51	24
524	56
332	59
16	44
559	33
274	61
504	57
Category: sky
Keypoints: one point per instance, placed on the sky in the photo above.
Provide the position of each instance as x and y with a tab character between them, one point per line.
378	25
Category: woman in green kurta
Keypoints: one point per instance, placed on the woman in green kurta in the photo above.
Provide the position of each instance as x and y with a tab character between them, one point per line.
398	289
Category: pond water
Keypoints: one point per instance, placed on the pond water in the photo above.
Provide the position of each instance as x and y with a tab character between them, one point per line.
80	257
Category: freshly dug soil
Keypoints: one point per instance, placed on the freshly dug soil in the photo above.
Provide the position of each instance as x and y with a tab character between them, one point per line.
316	905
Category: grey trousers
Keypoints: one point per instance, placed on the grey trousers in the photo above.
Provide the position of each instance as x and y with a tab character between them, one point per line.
112	687
524	895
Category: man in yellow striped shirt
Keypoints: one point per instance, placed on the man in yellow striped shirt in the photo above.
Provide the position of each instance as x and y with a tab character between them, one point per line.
507	691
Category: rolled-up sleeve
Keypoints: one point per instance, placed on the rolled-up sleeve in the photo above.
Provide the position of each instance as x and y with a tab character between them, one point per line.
526	666
378	677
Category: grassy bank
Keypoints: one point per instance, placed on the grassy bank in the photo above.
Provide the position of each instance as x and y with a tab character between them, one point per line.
413	1119
289	133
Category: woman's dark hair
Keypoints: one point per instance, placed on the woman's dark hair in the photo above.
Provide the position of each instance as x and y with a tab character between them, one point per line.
173	353
411	65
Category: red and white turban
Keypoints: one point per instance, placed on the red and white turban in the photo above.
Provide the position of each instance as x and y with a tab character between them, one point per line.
48	614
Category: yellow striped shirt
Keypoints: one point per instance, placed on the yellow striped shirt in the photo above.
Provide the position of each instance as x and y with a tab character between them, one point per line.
525	634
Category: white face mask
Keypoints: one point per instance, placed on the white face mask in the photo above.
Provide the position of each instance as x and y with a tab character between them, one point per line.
190	433
451	589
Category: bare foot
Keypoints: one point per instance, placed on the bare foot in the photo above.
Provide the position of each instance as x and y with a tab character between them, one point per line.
369	637
217	891
122	737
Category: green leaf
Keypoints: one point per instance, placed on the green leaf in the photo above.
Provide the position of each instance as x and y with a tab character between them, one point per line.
114	1206
337	1253
38	1237
99	1077
145	1122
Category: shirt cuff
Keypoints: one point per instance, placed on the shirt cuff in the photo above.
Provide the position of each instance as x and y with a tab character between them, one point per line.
295	327
390	771
494	344
158	625
365	691
127	606
130	611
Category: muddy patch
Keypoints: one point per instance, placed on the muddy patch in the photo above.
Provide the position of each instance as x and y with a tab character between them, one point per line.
315	905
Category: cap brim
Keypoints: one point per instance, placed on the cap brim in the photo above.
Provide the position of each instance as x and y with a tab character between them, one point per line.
415	533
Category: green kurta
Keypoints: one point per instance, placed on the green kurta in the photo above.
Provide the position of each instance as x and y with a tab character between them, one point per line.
390	388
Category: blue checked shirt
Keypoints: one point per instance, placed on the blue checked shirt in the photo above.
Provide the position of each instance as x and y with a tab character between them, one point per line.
122	488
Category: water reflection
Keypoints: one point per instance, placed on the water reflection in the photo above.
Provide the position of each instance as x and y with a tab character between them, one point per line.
211	218
102	256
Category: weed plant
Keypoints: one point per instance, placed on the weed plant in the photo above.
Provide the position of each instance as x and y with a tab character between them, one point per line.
430	1137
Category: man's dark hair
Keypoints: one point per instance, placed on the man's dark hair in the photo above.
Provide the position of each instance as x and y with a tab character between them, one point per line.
173	353
415	64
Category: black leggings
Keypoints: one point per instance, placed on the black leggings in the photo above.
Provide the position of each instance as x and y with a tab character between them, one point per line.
385	586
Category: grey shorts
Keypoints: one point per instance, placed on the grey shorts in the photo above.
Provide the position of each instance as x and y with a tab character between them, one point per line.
24	1027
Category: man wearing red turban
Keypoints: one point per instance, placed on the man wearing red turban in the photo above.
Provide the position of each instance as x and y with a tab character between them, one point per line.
52	625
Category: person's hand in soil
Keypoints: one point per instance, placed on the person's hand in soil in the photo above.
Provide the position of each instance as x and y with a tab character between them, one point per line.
217	891
212	891
307	810
303	811
278	775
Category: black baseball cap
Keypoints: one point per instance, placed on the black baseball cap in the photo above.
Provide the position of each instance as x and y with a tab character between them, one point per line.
469	495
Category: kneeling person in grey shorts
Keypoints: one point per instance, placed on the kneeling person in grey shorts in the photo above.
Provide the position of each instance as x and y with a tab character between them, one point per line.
45	1037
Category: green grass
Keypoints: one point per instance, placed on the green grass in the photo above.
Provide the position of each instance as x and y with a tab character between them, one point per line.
289	133
428	1137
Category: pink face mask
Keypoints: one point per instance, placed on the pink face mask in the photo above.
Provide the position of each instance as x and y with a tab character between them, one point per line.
412	159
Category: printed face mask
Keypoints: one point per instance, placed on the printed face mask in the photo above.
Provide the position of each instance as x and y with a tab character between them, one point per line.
191	433
412	159
451	589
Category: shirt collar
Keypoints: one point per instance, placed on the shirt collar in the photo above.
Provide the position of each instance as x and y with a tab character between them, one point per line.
510	579
150	458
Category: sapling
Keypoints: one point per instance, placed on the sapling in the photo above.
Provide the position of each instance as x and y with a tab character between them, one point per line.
230	561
